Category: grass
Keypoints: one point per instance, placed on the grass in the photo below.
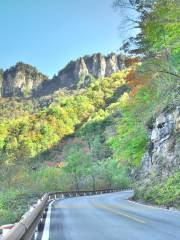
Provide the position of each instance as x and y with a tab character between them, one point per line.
166	193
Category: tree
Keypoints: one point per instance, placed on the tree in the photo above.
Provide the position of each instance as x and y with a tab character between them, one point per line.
77	164
135	4
9	168
115	175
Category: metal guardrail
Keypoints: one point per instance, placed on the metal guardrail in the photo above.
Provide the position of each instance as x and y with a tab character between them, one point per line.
28	225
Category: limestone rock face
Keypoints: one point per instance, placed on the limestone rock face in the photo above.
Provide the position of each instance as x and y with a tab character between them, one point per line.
21	80
79	73
164	148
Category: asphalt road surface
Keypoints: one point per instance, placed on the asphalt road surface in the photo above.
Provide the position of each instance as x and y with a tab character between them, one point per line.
109	217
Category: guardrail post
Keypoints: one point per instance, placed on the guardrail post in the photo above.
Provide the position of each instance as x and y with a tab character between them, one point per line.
40	225
35	234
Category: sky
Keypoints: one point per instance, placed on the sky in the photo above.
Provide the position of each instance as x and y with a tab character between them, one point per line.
49	33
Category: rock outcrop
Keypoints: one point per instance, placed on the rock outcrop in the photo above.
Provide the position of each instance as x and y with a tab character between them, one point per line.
21	80
79	73
164	149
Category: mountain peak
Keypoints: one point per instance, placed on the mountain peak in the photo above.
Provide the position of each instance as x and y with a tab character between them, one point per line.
80	72
25	80
20	80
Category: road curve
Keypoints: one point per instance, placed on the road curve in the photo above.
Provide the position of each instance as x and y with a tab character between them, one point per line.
109	217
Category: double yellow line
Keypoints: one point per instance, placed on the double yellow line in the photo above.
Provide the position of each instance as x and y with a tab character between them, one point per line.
117	212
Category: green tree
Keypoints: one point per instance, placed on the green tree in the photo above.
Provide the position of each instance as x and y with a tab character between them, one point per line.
114	174
77	164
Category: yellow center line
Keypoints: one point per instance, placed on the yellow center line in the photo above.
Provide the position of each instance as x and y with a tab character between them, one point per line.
72	206
119	212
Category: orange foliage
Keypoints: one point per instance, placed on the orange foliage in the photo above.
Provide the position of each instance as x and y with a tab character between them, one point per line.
136	80
130	61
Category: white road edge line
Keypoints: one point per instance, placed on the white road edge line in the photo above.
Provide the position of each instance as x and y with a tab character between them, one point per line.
46	231
156	207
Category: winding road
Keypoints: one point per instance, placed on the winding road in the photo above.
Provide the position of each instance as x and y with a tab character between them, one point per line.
109	217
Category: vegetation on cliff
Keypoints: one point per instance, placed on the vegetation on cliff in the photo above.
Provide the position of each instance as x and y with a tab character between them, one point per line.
158	45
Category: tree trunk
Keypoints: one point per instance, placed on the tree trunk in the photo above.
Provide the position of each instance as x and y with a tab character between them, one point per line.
76	182
94	182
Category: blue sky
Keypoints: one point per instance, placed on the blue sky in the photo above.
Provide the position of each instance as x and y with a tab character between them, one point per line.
50	33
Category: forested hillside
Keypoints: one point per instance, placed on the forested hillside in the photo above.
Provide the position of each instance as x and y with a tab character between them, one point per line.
102	134
153	114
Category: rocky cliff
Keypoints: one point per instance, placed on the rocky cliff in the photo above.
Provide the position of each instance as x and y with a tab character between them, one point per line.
79	73
21	80
25	80
163	155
